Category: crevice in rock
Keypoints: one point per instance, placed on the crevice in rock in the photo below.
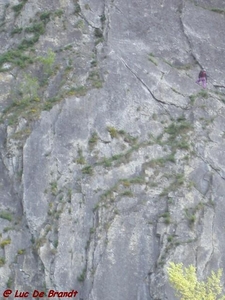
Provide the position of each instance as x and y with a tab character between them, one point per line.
105	20
53	126
182	7
212	245
161	102
212	167
218	86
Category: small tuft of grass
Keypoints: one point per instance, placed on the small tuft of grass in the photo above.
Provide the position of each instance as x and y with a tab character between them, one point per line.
54	188
137	180
192	99
77	9
82	276
69	195
58	13
92	230
162	160
218	10
127	193
190	215
170	238
203	94
50	103
9	283
93	140
17	8
151	58
107	162
94	78
113	132
21	251
17	30
77	91
88	170
45	16
177	134
167	218
6	229
178	128
2	261
37	27
80	160
103	18
80	24
87	6
179	179
27	43
5	242
125	182
55	243
183	145
98	33
6	215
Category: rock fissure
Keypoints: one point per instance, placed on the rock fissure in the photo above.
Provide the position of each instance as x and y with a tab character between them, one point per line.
161	102
186	35
211	255
212	167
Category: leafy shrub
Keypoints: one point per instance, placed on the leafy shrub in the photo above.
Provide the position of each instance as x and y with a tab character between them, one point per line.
15	57
184	281
29	88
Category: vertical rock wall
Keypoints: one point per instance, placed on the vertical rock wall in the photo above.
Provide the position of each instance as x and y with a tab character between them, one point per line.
111	156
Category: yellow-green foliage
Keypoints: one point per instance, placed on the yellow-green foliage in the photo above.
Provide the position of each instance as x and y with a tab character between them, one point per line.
21	251
48	61
112	131
2	261
29	87
188	287
3	243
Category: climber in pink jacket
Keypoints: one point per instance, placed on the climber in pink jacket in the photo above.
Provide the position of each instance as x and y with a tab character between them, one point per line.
202	77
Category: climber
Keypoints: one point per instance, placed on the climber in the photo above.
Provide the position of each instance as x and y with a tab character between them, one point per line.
202	77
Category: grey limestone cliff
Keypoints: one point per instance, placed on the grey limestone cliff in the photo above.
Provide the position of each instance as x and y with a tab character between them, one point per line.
112	157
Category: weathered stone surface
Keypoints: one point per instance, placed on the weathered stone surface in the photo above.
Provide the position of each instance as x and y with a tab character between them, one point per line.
125	170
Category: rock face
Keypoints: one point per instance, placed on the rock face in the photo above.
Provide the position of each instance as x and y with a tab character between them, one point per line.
112	158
